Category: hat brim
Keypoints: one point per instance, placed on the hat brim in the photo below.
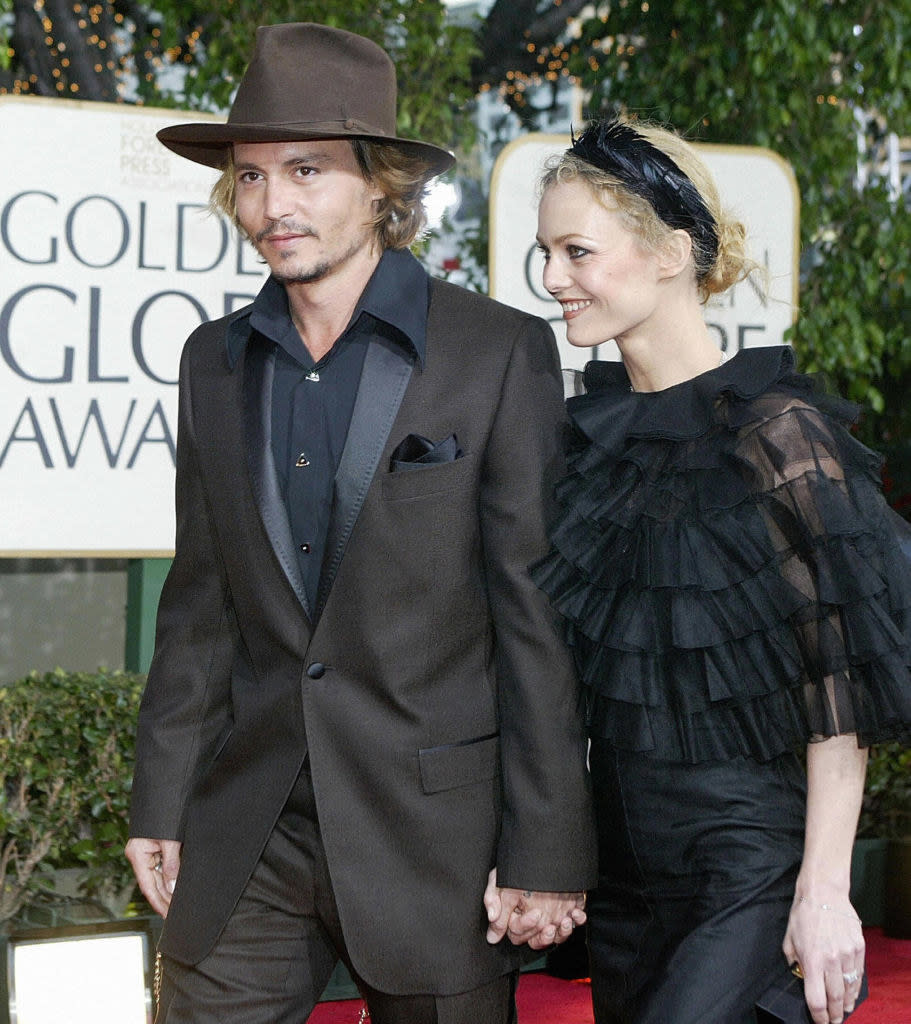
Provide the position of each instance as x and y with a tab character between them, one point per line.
210	144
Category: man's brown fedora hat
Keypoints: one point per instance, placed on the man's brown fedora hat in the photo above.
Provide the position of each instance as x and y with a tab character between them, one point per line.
306	81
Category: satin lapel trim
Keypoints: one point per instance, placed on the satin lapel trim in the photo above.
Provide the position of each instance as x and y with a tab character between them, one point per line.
384	378
259	372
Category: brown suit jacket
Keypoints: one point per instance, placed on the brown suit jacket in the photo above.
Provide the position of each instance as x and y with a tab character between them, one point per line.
430	686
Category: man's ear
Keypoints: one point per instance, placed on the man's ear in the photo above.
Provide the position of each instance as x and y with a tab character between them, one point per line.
676	250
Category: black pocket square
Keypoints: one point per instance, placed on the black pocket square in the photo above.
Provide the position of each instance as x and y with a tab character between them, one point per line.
416	451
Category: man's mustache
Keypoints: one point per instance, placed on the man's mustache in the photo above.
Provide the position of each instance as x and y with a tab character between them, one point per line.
283	227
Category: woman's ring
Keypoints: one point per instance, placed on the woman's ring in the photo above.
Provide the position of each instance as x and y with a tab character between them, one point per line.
851	977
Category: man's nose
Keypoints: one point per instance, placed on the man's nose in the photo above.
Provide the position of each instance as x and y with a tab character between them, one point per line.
279	201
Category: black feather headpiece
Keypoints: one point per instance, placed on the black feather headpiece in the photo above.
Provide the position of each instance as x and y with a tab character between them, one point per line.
617	148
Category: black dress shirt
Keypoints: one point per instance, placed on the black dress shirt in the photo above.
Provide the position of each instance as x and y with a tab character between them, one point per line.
312	402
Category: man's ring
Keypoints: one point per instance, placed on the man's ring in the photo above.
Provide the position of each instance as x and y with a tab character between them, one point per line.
851	977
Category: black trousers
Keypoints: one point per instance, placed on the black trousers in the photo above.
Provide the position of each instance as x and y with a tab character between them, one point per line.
697	867
281	944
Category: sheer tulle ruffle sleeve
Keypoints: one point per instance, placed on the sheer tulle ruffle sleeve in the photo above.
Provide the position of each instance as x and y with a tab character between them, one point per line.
732	580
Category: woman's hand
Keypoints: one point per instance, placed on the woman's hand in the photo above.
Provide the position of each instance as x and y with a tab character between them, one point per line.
824	935
826	940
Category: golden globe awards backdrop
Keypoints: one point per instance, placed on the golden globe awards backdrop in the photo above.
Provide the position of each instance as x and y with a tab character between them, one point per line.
108	260
756	184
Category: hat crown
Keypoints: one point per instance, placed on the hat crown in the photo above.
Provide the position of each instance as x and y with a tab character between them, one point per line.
307	74
306	81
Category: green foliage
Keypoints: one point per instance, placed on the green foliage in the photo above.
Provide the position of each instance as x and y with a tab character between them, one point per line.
793	77
6	7
783	74
66	765
886	811
213	39
857	295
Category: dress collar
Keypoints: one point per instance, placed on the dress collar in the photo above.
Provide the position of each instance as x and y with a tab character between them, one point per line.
610	411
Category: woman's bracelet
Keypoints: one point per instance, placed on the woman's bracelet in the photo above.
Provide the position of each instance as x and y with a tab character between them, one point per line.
827	907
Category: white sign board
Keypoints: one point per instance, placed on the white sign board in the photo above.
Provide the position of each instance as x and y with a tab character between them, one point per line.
108	260
756	184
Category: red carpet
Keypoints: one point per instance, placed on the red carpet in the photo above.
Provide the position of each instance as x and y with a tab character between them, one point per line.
546	1000
889	973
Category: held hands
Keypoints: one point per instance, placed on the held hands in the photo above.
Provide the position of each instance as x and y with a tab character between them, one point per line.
541	919
155	864
826	940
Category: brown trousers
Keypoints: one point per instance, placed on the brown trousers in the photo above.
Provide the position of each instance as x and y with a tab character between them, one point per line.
281	944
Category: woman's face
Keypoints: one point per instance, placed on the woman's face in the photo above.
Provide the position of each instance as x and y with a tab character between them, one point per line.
599	271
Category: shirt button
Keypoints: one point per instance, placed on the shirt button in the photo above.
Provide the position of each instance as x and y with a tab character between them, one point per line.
316	670
305	548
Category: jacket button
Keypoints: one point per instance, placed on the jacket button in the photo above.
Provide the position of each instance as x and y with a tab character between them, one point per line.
317	670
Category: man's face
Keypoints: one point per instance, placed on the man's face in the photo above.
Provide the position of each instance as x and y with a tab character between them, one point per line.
306	207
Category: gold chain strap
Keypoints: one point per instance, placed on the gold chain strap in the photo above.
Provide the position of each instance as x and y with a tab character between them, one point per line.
156	983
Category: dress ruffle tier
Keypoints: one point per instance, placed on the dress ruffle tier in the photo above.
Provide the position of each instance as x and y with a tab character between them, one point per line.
732	579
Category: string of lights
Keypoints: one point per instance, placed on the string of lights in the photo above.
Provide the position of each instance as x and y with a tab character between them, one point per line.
75	48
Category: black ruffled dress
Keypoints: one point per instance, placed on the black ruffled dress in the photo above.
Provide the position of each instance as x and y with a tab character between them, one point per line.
734	586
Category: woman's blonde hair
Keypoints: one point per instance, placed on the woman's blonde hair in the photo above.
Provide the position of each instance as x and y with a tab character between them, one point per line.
401	173
661	184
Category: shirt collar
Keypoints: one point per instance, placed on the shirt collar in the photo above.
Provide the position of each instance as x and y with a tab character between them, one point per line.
398	294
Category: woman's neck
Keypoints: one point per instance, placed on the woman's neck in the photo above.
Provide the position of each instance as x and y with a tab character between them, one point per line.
681	348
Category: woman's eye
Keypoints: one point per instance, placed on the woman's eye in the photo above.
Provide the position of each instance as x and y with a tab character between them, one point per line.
575	251
545	253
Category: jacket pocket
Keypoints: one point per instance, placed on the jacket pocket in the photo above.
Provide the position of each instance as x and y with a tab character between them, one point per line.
459	764
430	479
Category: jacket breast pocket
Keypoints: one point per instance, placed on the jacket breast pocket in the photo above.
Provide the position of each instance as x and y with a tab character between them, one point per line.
459	764
434	478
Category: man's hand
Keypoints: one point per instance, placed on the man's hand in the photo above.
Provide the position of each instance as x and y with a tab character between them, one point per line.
155	864
541	919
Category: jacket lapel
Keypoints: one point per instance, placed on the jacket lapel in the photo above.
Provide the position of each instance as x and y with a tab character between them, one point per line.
384	378
259	371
